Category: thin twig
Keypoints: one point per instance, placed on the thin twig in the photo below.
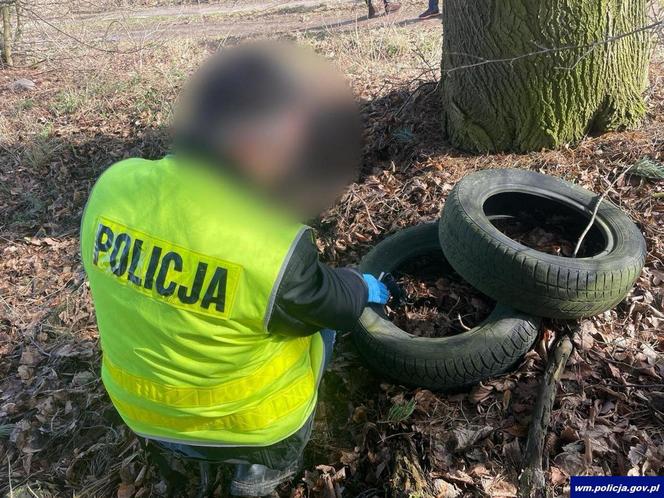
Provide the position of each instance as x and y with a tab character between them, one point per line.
657	25
368	211
9	476
411	95
594	213
78	40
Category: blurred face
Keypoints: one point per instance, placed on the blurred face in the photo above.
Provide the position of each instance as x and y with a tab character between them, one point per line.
304	155
283	118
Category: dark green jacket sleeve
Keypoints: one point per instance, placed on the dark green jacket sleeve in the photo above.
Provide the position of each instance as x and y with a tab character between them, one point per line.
312	295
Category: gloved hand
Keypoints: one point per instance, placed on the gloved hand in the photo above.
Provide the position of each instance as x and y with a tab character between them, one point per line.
378	293
395	290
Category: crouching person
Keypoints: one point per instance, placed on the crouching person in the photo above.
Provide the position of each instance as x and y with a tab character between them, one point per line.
215	316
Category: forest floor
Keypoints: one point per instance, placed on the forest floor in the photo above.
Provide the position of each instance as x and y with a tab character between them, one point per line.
95	104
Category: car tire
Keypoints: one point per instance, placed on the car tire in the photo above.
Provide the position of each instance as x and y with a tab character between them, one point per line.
524	278
446	363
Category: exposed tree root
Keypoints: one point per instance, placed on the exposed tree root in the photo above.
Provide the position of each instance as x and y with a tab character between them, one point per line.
408	478
532	481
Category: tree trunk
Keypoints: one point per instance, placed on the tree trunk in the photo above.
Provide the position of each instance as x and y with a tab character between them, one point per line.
6	36
530	74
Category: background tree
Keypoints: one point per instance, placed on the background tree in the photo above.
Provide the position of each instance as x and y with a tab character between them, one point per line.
9	33
529	74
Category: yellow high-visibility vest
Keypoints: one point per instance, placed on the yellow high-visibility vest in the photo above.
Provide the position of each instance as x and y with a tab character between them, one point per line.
184	266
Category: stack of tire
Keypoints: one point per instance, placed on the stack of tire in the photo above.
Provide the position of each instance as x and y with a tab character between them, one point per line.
525	283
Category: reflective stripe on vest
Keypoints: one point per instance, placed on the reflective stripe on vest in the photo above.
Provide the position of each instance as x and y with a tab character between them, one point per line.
183	265
228	392
262	416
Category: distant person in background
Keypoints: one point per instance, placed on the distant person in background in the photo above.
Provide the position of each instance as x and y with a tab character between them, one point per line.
432	11
390	6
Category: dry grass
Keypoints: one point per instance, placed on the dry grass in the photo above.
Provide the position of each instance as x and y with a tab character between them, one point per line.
58	433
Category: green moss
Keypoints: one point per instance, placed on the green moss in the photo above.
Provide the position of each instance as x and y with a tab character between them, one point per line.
520	75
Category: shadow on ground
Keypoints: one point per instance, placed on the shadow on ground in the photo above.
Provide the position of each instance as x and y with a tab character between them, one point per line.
45	182
64	435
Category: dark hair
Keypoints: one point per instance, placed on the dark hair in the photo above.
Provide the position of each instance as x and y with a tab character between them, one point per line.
246	83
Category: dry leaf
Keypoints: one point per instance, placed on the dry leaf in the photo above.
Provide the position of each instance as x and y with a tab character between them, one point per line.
479	393
126	490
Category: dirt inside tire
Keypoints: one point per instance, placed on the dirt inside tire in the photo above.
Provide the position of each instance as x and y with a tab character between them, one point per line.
436	301
424	347
546	232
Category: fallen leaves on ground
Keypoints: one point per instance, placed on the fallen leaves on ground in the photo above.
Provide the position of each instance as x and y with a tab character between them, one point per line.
60	435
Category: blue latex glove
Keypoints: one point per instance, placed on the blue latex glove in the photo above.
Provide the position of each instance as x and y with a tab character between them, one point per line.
378	293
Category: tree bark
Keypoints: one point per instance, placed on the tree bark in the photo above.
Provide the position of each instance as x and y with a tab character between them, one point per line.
408	478
524	75
532	479
6	36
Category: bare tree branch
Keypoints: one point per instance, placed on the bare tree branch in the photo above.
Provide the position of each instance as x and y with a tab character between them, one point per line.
532	478
594	213
78	40
655	26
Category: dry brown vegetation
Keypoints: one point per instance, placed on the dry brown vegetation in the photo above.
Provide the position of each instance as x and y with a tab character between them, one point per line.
59	435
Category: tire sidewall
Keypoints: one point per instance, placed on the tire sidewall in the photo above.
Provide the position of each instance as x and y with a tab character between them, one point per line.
503	337
473	191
